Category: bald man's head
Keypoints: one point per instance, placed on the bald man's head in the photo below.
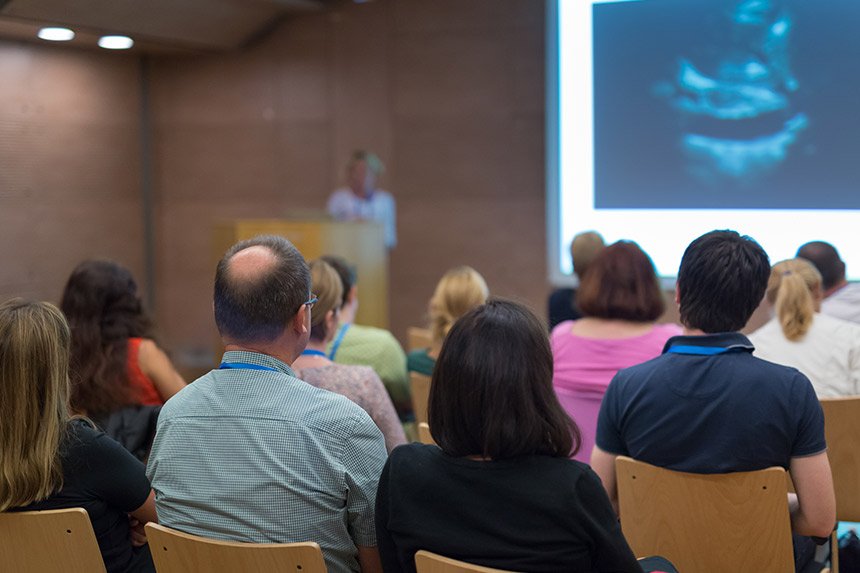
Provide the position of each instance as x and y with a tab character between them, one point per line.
826	259
260	285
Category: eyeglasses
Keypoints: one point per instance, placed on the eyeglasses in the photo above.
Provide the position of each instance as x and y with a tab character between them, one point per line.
311	301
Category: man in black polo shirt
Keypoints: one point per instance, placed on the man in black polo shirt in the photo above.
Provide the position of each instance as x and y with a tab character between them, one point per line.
707	405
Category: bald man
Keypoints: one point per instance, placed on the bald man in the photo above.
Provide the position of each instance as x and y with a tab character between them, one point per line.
250	453
841	298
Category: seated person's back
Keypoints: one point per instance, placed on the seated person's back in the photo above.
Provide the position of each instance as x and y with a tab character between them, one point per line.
249	452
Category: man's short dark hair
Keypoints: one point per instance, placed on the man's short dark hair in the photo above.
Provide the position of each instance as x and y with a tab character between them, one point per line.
259	310
722	280
345	271
491	394
826	259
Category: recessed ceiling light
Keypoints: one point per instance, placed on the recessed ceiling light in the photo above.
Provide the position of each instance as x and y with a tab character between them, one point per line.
56	34
116	42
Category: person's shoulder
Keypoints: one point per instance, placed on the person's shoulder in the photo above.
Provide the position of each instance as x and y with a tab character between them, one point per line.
562	329
371	334
836	325
383	196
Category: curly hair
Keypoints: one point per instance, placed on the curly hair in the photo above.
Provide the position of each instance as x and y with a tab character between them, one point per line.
103	308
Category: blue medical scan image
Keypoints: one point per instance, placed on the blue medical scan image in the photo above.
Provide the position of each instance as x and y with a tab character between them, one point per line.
737	104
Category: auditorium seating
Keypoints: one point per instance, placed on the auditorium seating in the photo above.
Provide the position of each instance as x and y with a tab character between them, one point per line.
424	435
53	541
707	523
418	338
426	562
420	388
177	552
842	431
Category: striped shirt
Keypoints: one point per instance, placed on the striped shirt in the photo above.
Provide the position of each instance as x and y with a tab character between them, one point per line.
251	453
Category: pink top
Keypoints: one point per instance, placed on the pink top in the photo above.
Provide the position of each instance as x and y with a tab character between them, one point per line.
588	364
585	366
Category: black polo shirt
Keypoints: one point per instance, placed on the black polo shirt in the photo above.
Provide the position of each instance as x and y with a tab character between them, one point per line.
707	405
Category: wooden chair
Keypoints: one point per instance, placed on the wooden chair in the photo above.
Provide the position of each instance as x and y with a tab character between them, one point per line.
418	338
426	562
51	541
707	523
420	387
177	552
842	430
424	435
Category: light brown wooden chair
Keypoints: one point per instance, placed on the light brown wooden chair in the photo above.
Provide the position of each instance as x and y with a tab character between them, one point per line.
424	435
419	385
418	338
842	430
177	552
51	541
706	523
426	562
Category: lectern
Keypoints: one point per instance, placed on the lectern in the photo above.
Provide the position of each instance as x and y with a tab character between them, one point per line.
360	243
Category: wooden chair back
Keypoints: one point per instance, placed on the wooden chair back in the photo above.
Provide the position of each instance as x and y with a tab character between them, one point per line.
707	523
418	338
177	552
420	387
842	430
51	541
426	562
424	435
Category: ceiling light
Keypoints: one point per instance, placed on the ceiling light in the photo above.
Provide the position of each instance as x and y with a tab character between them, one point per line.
56	34
116	42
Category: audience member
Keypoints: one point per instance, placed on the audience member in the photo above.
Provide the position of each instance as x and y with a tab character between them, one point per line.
621	298
358	383
115	363
707	405
499	491
841	298
459	290
561	305
357	344
49	461
360	200
249	452
824	348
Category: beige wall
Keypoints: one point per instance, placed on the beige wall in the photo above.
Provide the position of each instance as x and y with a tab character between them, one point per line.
449	93
69	165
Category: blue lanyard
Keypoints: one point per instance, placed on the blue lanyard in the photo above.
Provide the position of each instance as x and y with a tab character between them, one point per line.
244	365
337	341
704	350
310	352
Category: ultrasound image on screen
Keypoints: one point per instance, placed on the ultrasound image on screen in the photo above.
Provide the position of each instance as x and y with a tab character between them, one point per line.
736	104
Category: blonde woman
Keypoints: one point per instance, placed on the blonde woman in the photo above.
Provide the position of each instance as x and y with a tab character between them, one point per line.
460	290
825	349
358	383
49	461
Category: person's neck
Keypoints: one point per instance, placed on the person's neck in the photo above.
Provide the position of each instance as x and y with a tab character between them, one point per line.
347	314
838	286
274	351
362	192
693	332
313	360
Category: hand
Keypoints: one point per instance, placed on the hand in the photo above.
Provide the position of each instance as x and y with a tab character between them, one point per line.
137	533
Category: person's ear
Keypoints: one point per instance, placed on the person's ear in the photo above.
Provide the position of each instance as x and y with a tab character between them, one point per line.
352	296
301	321
677	294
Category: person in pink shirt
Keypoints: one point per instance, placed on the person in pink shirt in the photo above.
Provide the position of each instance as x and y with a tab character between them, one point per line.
620	299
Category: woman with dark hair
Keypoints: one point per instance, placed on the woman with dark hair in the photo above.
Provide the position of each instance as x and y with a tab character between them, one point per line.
115	363
620	299
49	460
500	490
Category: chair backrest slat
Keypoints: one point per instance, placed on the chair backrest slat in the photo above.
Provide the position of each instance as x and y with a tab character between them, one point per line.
842	429
51	541
707	523
420	387
427	562
177	552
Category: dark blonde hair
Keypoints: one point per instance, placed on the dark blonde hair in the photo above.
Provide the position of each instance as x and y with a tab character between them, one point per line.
34	400
459	290
328	288
790	290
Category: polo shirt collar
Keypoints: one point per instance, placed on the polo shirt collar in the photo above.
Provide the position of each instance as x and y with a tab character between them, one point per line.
257	359
726	340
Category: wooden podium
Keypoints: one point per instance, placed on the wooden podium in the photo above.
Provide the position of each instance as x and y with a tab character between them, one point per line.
360	243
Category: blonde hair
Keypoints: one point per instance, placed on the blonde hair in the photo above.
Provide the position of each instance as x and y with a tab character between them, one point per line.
34	400
584	249
328	288
790	290
460	290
